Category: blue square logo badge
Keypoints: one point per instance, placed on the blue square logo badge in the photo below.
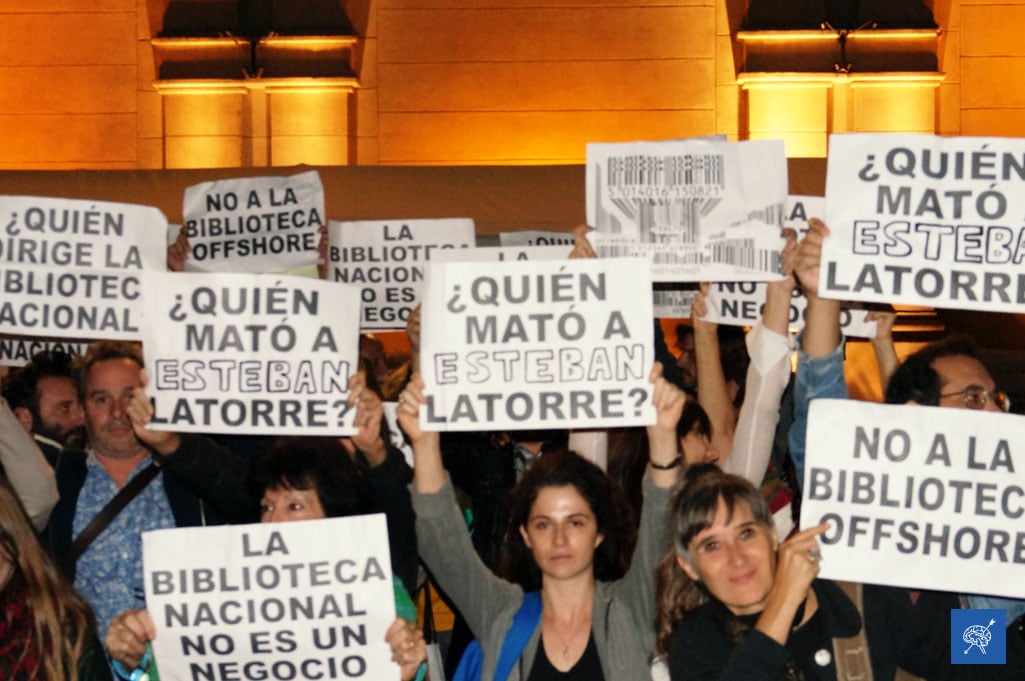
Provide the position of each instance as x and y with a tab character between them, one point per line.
978	636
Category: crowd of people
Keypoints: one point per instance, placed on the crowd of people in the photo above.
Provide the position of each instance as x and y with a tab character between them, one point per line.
682	559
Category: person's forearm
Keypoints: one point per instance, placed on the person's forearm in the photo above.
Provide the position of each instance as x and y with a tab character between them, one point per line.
821	327
26	469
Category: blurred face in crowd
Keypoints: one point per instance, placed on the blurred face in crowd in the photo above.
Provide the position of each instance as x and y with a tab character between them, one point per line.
561	532
966	384
283	504
108	388
60	416
697	447
685	360
735	558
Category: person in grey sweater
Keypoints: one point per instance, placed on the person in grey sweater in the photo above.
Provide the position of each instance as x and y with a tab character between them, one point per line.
562	540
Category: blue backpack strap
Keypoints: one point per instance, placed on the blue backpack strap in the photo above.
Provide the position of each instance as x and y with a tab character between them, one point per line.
523	625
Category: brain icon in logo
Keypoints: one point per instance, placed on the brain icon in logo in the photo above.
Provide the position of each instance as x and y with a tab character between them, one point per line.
978	636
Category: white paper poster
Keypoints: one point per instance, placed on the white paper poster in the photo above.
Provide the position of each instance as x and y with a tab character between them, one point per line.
294	600
918	497
70	268
741	303
537	344
250	353
699	209
501	254
254	224
535	237
16	351
925	220
386	259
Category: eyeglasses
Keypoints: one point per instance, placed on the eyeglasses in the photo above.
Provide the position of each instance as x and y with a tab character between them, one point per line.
977	397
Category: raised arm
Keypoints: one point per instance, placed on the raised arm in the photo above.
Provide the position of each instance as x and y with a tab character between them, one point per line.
211	471
882	344
820	356
713	394
770	348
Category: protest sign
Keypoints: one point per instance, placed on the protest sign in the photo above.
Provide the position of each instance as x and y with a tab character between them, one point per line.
673	303
920	497
254	224
396	438
250	353
800	209
386	259
16	351
272	600
699	209
535	237
741	303
501	254
925	220
70	268
537	344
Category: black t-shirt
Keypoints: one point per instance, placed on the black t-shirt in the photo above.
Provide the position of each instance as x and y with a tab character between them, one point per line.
587	668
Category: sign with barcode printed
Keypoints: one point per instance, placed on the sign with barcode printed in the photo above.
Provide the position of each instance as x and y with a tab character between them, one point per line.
698	209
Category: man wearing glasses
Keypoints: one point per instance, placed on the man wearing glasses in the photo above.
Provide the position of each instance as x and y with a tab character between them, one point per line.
948	373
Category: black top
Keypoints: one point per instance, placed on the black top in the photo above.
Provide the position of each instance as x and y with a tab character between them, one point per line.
587	668
701	648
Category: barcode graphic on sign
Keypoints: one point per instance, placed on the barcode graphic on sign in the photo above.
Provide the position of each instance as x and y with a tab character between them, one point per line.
677	258
607	251
674	297
742	253
666	171
770	215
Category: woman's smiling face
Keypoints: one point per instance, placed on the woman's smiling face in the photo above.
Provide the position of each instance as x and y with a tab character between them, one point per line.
735	559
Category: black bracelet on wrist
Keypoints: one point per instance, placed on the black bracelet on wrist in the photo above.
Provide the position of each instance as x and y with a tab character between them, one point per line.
667	466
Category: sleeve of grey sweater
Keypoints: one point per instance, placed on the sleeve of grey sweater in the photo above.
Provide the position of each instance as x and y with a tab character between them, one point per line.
26	468
445	546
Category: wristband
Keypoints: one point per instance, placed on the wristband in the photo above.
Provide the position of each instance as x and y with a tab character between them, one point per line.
678	461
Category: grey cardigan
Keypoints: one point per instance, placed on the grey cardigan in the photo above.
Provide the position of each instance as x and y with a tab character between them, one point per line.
623	615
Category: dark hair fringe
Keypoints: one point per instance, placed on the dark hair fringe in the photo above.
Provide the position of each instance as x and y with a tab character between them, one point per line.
613	514
317	463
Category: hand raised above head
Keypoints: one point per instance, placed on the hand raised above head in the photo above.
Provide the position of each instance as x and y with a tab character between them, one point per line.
581	246
369	414
808	258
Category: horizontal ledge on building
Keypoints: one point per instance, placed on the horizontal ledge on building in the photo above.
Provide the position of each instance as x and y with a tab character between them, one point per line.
796	78
831	35
208	86
316	42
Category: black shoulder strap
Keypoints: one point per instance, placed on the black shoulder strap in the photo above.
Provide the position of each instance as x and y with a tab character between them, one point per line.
110	511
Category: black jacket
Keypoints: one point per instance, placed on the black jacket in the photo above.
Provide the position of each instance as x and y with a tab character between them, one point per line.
204	482
898	634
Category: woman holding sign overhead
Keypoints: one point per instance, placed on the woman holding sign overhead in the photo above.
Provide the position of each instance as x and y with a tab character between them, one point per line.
577	612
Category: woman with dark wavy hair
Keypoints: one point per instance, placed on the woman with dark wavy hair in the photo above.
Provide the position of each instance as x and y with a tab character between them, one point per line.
567	539
47	631
614	518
